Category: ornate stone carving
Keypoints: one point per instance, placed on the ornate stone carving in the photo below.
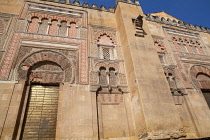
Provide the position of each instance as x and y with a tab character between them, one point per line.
194	73
172	81
122	79
159	44
23	52
46	71
110	98
112	78
94	77
103	77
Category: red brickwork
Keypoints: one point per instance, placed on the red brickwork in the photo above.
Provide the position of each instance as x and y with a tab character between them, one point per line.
199	69
47	56
200	49
13	48
159	45
63	29
46	77
108	34
192	46
72	30
201	77
33	26
107	66
53	27
189	49
53	30
176	46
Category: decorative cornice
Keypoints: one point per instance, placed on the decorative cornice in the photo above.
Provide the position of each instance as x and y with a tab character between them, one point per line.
180	24
84	5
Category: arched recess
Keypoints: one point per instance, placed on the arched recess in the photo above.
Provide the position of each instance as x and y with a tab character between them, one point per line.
44	71
34	66
103	34
201	79
196	72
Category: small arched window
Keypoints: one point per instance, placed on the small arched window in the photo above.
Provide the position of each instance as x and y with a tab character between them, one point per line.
112	76
53	29
72	30
102	76
43	28
63	29
33	25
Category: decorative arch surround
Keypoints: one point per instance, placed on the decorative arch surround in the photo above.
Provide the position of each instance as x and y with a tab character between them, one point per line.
50	17
107	66
46	67
108	34
98	65
197	72
159	45
6	66
187	44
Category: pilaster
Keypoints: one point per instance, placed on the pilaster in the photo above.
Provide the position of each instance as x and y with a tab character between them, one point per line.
151	98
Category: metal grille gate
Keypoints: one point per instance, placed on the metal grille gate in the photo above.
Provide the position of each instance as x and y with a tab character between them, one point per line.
41	113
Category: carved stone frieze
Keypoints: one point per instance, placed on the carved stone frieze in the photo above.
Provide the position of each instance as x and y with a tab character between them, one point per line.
94	78
30	56
110	98
122	79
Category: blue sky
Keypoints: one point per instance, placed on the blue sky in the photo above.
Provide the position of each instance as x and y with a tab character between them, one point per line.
196	12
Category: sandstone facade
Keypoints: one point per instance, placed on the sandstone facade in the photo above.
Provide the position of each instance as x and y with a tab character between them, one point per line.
71	71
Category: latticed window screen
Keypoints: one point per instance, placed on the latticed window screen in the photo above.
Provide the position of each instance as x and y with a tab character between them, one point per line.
106	53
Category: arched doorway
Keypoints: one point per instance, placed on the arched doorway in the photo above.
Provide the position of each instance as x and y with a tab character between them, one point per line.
201	80
204	82
43	71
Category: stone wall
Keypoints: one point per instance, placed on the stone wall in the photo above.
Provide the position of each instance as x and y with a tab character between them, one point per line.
122	75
